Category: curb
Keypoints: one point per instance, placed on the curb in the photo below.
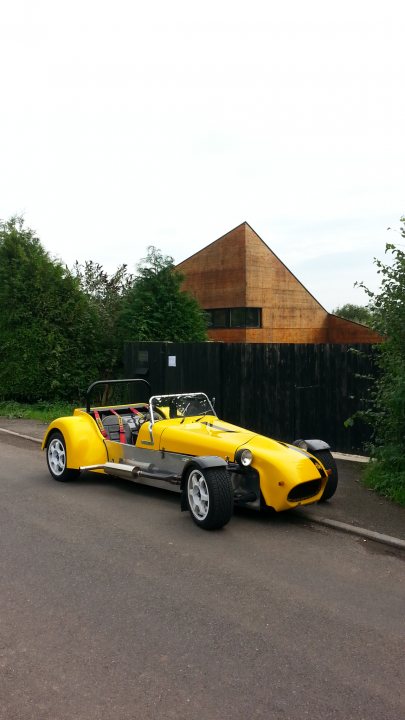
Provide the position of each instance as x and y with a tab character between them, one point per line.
352	458
26	437
355	530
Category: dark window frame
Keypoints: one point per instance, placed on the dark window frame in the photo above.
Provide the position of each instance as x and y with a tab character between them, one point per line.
215	322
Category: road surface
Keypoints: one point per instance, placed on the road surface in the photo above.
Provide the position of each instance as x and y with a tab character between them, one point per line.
113	604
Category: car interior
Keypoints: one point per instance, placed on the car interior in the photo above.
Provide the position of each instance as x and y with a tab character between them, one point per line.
121	424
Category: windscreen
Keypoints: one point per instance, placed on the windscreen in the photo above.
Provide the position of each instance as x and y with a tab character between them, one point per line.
187	405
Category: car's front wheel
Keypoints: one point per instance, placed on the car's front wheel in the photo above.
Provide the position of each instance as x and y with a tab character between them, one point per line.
329	463
209	497
57	459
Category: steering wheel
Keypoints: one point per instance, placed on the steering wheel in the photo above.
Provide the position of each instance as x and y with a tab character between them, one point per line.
157	415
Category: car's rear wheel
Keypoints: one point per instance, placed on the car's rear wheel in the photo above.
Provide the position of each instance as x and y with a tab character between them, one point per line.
209	495
329	463
56	458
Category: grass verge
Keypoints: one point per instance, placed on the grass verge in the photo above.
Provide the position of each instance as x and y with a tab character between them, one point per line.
45	412
386	479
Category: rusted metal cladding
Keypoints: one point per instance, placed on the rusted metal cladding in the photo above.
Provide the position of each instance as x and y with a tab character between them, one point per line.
240	270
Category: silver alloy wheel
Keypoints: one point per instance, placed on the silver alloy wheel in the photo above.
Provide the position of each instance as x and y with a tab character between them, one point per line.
57	456
198	494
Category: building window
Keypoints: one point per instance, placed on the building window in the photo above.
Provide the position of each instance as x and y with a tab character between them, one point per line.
235	317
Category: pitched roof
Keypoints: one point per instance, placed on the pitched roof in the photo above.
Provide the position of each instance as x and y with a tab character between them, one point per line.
239	256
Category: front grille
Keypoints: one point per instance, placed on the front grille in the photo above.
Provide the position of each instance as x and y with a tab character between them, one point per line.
304	490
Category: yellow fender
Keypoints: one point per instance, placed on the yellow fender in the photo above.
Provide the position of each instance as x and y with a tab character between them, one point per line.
288	468
84	442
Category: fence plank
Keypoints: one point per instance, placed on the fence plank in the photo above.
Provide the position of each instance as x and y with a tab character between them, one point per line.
285	391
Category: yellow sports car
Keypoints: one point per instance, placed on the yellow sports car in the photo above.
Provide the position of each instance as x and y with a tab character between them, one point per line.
177	442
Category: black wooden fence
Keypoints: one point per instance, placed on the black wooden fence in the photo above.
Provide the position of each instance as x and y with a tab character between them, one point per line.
285	391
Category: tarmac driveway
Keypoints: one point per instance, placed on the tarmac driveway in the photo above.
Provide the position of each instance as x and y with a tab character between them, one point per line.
113	604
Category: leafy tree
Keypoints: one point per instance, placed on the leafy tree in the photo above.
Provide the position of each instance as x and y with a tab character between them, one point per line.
105	293
387	416
362	314
47	328
156	308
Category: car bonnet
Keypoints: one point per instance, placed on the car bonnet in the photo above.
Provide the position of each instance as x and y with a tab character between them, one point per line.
210	436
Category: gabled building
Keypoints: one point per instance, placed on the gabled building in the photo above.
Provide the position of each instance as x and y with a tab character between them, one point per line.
251	296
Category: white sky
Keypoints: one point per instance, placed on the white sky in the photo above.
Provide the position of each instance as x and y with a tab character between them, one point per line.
130	124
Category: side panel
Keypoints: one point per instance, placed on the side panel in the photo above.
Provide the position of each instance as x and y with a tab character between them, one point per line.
84	442
167	461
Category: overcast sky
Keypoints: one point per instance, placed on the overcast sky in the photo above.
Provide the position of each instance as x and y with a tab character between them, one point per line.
126	124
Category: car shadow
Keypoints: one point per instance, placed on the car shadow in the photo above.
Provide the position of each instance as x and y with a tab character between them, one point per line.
97	480
267	516
264	517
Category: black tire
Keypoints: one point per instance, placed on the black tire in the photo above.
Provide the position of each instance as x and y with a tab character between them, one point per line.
329	463
56	458
209	495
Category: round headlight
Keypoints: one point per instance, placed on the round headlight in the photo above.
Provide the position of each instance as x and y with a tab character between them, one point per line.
301	444
244	457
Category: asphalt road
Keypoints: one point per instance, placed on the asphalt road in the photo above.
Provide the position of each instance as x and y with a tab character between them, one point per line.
113	604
